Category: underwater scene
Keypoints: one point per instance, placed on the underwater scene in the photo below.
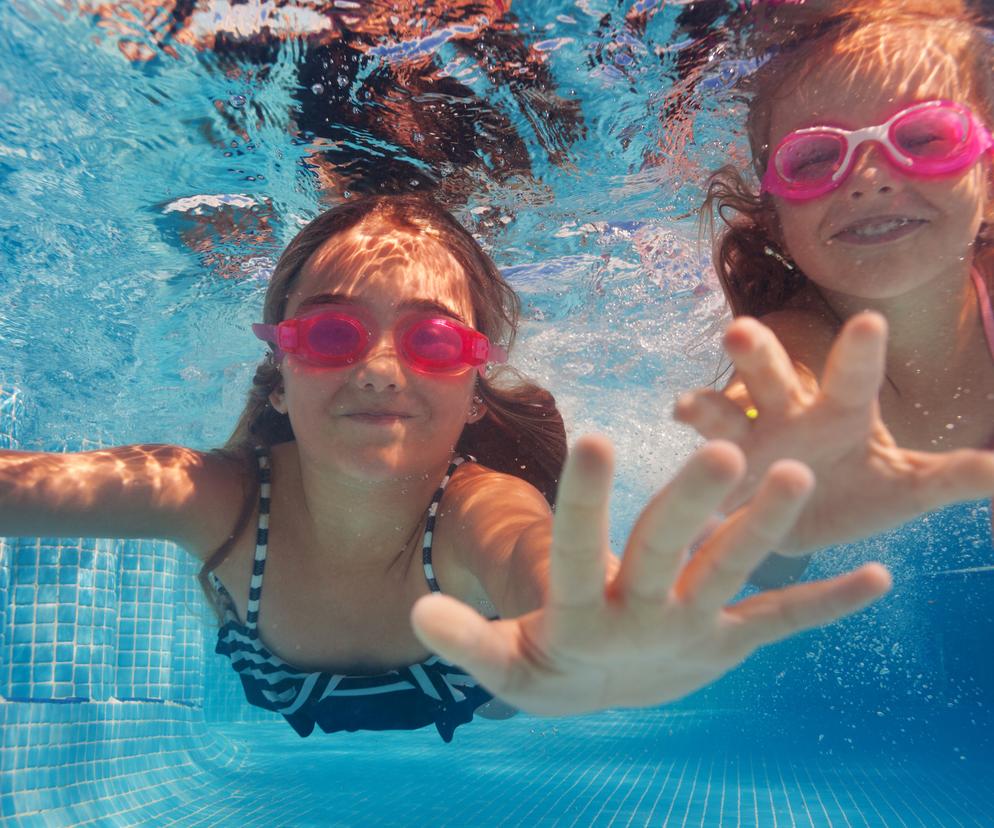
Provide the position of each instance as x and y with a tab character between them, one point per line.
796	627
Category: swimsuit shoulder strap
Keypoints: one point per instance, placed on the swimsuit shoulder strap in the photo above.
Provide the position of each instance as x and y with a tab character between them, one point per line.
261	542
430	525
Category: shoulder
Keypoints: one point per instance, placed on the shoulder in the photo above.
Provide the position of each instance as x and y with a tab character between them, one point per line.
498	529
489	511
475	490
210	490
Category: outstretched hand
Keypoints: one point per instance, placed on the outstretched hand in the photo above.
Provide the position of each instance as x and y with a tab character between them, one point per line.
656	626
866	482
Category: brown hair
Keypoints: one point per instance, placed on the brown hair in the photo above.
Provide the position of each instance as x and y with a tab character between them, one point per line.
755	270
522	432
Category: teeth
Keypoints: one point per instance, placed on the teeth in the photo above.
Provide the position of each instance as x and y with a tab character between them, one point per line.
879	228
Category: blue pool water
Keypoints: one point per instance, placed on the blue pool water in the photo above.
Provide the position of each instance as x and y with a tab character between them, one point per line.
125	319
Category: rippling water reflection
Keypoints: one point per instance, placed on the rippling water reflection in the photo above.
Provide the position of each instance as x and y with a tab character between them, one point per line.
154	159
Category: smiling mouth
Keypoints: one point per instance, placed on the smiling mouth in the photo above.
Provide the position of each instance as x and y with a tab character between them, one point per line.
377	416
875	231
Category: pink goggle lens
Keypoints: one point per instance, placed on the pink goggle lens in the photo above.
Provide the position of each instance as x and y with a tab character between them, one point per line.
336	339
437	345
930	138
810	159
333	340
938	134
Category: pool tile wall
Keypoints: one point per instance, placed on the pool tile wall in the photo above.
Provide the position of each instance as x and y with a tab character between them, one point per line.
104	654
62	764
10	419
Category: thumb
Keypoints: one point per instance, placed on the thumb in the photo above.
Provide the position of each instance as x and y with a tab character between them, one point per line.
462	636
965	474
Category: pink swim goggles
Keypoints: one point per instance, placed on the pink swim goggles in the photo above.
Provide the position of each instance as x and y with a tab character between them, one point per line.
338	337
932	138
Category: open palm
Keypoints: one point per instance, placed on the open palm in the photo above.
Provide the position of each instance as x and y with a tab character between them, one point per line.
656	626
866	482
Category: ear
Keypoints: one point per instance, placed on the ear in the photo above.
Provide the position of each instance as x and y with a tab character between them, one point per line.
477	411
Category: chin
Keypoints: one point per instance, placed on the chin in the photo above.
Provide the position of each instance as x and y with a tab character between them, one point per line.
870	280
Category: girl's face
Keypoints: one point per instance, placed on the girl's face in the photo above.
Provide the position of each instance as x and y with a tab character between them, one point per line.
881	233
378	418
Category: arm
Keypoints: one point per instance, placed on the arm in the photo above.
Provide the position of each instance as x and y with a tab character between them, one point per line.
656	626
140	491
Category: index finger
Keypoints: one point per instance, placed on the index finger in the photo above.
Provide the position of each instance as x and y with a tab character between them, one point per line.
674	517
763	364
578	557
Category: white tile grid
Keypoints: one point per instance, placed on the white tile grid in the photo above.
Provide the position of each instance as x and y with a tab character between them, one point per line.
96	768
193	628
645	788
34	592
92	762
146	573
516	777
617	805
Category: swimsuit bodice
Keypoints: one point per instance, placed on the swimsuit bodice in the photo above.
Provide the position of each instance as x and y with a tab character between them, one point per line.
432	691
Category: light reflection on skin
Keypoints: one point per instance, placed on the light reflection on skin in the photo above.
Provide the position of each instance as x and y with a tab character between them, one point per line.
75	484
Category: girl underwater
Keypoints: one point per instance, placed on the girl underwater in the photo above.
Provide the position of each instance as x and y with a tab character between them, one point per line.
353	546
870	135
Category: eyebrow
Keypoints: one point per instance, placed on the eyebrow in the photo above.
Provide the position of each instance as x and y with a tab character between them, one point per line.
427	305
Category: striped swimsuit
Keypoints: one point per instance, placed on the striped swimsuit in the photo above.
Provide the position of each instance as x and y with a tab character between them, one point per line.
431	692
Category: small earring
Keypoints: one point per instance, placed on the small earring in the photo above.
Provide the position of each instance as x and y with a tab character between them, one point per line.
780	257
474	409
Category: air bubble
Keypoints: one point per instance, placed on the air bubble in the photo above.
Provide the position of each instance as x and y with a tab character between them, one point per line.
238	101
318	89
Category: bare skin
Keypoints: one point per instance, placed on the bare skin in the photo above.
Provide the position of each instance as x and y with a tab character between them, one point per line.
590	633
656	626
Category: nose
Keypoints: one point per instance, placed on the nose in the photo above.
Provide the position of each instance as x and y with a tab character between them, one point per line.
872	173
380	369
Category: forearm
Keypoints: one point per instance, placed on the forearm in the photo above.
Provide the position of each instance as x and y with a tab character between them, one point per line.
123	492
40	495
